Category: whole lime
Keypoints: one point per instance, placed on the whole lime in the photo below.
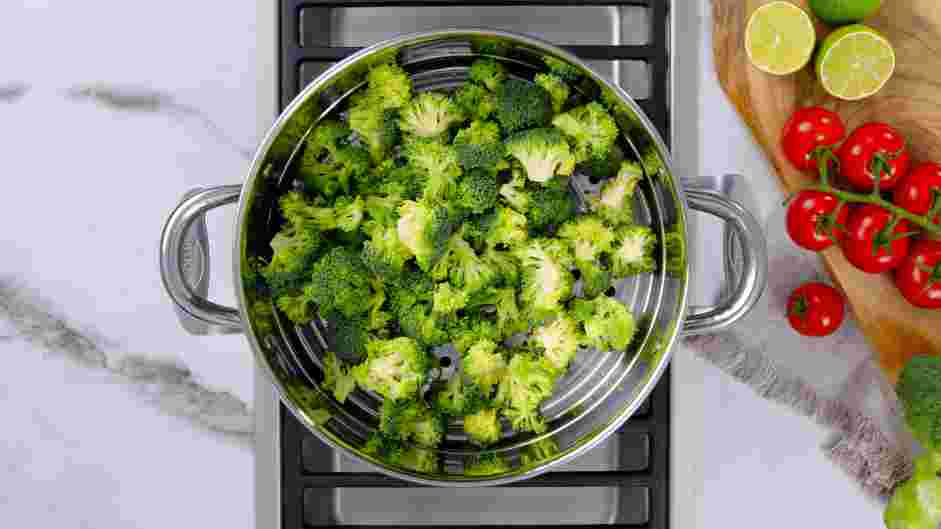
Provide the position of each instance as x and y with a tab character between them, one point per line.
839	12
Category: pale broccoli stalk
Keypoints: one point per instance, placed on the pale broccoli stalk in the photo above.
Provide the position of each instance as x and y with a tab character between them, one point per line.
528	382
543	153
589	239
483	427
429	115
634	251
337	377
424	229
558	341
486	465
395	368
557	89
439	165
608	324
411	420
591	128
547	281
484	365
614	203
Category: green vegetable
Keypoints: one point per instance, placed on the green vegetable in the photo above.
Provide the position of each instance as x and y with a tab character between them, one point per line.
614	202
429	115
557	89
483	427
543	153
529	381
522	105
475	101
563	70
547	281
486	465
919	390
633	251
487	72
411	420
916	504
608	325
337	377
424	228
480	146
558	341
394	368
438	165
590	239
591	128
484	365
339	283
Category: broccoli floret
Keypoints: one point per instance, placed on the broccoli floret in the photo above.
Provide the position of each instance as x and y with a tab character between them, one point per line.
477	191
608	324
339	283
385	447
487	72
634	251
438	165
419	459
589	239
591	128
459	398
557	89
411	420
483	427
337	377
429	115
475	101
346	213
297	307
465	268
528	381
550	206
376	125
402	183
384	254
916	503
480	146
919	390
328	164
547	281
514	191
506	266
539	451
424	229
674	245
393	452
350	334
521	105
563	70
295	248
390	84
484	365
377	318
614	203
417	322
395	368
448	300
409	288
471	329
505	226
543	153
508	317
486	465
605	167
558	341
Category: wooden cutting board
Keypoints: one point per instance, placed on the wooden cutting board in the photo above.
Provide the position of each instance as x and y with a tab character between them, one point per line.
911	102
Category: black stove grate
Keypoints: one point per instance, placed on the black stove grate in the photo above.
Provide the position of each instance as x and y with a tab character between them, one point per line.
308	481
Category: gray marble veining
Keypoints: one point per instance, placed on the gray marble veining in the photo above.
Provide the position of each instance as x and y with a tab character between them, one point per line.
11	92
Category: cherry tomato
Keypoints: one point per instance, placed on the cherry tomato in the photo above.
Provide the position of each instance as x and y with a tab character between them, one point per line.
816	309
807	130
813	221
919	276
874	148
869	245
916	191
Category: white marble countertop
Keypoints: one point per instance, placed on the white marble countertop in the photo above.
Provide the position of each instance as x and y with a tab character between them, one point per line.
114	417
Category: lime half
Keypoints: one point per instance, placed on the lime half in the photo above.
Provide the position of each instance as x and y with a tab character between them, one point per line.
840	12
780	38
855	62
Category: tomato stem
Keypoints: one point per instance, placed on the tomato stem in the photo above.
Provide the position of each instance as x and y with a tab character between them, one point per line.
878	166
851	197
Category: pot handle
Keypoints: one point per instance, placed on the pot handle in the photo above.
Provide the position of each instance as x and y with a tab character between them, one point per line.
184	262
747	276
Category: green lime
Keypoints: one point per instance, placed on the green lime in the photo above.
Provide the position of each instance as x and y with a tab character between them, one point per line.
840	12
780	38
855	62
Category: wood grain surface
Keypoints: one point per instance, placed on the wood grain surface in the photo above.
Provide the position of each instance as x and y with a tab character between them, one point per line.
911	102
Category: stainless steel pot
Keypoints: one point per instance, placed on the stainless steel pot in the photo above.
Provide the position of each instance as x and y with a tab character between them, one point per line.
601	390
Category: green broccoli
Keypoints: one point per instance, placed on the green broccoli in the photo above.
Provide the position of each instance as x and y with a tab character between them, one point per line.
608	324
484	365
411	420
337	377
419	460
563	70
475	101
589	239
614	203
547	281
459	398
558	341
919	390
486	465
350	335
528	382
295	248
487	72
543	153
508	318
521	105
429	115
591	128
557	89
376	125
465	268
514	191
506	227
393	452
483	427
328	163
535	453
418	322
402	183
409	288
633	251
477	191
550	205
447	300
437	163
377	318
395	369
674	246
297	307
339	283
916	503
390	84
505	265
605	167
470	329
346	213
424	228
480	146
384	254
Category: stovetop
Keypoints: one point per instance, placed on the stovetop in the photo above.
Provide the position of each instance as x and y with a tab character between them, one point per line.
623	482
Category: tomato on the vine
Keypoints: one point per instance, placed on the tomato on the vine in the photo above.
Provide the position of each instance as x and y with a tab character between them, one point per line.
918	189
808	130
816	309
919	276
816	220
874	149
876	242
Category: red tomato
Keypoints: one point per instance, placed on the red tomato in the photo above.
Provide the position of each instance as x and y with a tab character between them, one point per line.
869	246
919	276
815	309
916	190
811	222
807	130
859	153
